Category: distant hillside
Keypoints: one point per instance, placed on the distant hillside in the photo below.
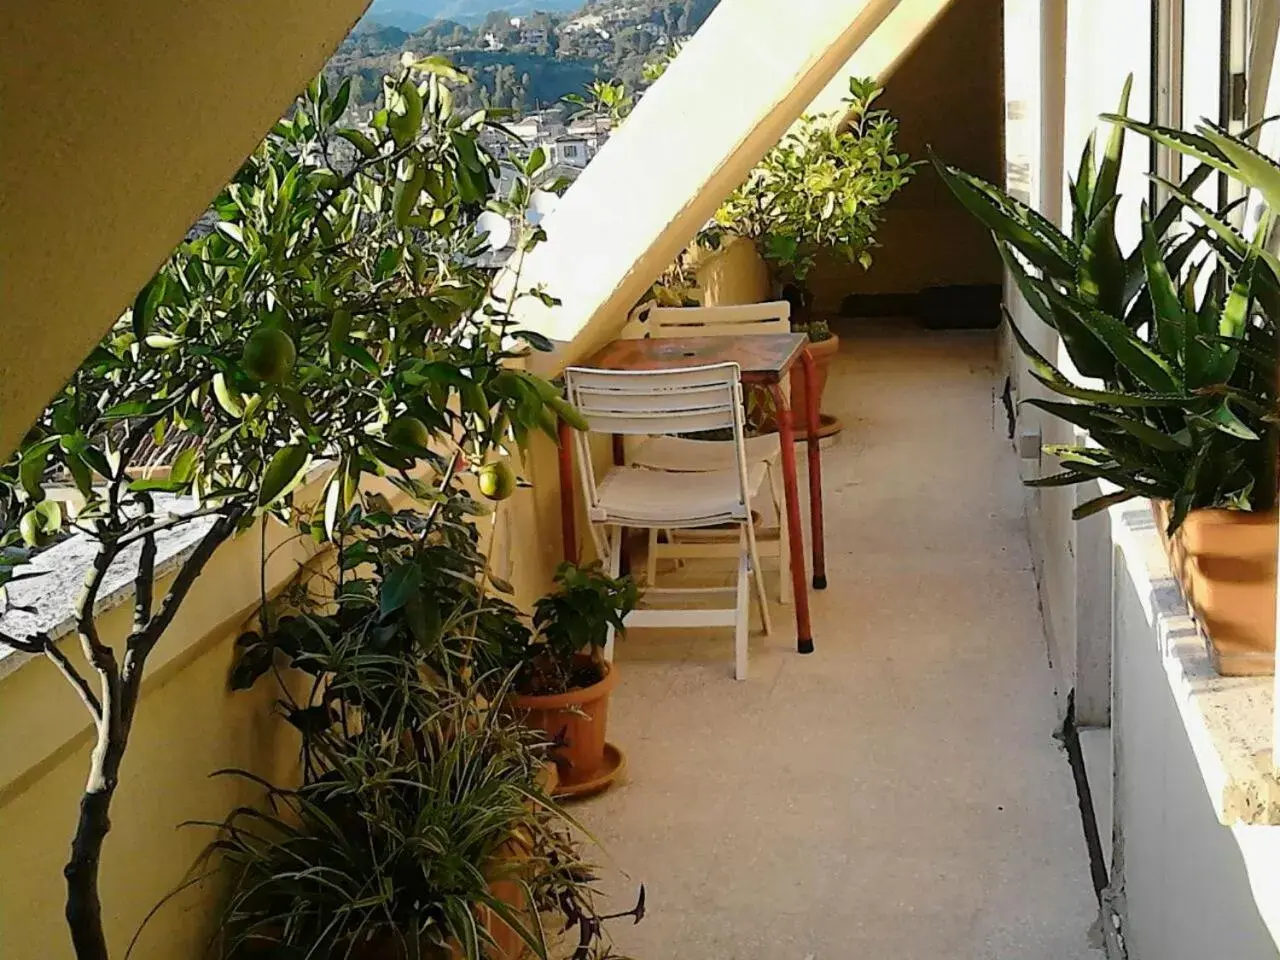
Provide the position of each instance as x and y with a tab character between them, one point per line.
412	15
520	66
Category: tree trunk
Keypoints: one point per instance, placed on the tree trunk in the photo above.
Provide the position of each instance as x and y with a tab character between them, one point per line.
84	906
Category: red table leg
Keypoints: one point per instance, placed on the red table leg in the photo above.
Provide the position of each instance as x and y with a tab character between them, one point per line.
787	437
815	473
568	515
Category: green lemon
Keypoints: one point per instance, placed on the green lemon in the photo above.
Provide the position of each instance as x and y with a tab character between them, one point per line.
408	432
269	355
497	480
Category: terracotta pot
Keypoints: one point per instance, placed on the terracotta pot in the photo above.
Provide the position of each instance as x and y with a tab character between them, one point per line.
823	352
1226	563
579	718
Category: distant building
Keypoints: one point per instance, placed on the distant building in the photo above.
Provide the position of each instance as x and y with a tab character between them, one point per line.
570	151
533	36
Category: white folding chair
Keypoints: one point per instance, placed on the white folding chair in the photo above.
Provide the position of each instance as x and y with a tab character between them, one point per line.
664	403
684	455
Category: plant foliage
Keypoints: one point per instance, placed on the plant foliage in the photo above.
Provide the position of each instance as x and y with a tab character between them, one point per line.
1179	330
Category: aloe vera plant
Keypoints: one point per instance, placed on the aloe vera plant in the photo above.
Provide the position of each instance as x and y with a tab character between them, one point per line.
1179	330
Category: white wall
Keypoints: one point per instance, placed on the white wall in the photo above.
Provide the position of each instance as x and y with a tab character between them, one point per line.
1193	888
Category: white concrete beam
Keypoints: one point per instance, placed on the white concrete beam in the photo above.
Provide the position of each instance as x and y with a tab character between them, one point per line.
750	71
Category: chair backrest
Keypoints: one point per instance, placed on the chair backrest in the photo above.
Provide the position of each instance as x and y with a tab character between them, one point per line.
651	320
655	403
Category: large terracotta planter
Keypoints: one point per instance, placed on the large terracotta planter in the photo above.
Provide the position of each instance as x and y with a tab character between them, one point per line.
1226	563
579	718
823	352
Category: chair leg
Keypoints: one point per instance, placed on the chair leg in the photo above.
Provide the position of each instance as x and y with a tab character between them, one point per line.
651	570
742	620
757	574
615	567
784	554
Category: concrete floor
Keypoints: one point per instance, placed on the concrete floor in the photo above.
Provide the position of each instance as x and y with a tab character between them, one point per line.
898	794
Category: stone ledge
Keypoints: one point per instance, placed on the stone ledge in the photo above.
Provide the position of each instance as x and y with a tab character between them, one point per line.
1228	719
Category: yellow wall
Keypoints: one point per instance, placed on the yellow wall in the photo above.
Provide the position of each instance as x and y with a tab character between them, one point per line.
121	120
948	94
734	274
188	725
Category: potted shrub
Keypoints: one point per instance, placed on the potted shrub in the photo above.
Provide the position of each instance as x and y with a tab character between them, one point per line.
1184	347
823	188
561	680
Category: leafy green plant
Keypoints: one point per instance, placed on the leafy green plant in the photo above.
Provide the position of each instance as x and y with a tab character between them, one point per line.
570	628
404	845
418	801
332	317
1180	331
822	188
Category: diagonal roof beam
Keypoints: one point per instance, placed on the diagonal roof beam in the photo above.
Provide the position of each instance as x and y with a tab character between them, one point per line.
122	120
744	78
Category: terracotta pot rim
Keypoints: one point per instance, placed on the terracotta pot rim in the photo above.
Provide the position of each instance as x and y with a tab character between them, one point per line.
1224	515
570	698
829	345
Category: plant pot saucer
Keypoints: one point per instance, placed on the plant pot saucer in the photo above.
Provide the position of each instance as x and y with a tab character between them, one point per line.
828	426
615	762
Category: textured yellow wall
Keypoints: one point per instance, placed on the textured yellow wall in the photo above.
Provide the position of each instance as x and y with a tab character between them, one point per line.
949	94
121	120
734	274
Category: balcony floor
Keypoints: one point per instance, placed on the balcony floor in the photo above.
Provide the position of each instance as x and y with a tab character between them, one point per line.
899	793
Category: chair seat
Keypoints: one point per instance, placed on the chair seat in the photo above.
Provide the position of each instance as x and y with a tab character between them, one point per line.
681	455
638	497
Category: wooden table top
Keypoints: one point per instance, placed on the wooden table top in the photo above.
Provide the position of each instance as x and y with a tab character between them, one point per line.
763	359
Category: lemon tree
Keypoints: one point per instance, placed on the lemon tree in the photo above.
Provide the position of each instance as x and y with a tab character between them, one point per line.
330	317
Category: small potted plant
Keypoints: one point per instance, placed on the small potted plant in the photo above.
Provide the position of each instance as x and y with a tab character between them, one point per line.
562	680
822	189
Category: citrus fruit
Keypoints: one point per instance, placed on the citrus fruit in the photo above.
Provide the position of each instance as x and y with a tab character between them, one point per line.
408	432
269	355
497	480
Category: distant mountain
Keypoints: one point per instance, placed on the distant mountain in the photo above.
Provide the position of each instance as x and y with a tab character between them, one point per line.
412	15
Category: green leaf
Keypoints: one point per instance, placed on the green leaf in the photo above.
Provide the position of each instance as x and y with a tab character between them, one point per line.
537	160
1100	274
1251	167
1169	319
406	195
360	142
406	123
145	304
184	466
397	587
1131	353
32	465
1109	168
1224	419
1098	504
1013	221
441	67
569	413
284	472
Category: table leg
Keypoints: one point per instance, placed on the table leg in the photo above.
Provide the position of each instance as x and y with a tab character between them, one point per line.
815	473
568	514
791	486
618	446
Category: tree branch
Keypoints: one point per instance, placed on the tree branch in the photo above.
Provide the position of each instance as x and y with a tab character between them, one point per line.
174	521
145	636
145	582
32	644
75	678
